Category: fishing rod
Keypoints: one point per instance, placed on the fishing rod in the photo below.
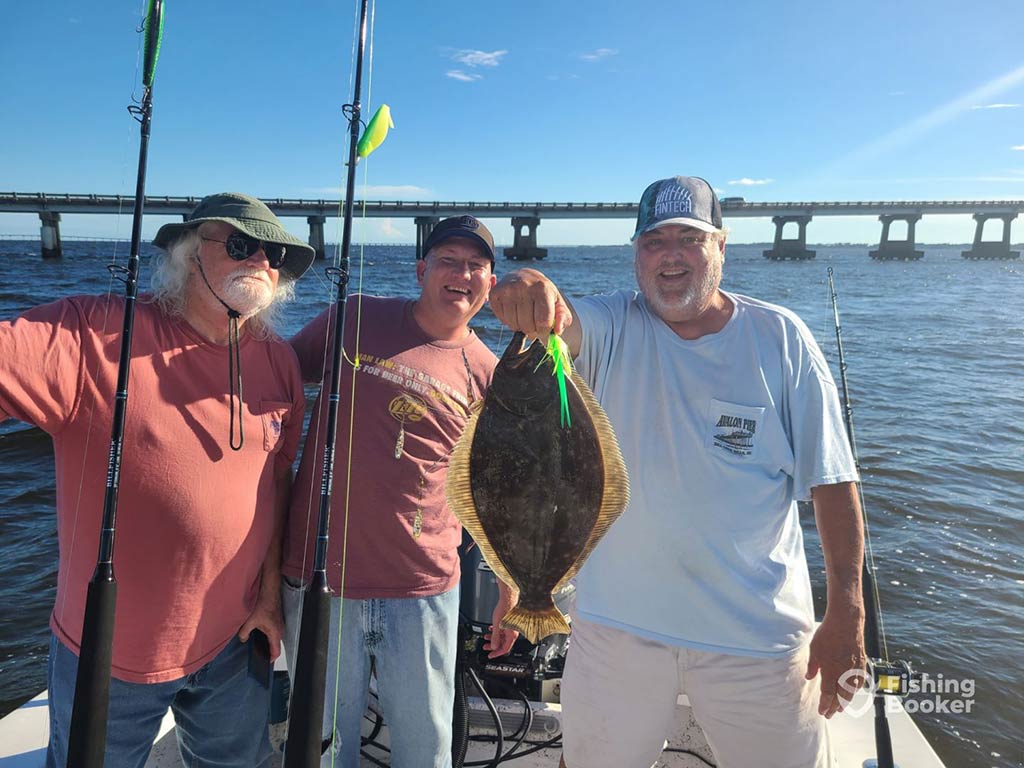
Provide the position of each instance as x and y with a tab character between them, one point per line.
305	729
890	678
88	733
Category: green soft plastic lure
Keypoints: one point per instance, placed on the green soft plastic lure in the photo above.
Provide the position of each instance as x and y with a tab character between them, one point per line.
376	131
558	351
153	27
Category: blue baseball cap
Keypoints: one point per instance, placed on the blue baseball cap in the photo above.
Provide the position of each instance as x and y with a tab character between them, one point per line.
685	200
468	227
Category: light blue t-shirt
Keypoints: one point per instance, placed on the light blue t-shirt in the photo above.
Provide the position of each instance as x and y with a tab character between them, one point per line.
721	436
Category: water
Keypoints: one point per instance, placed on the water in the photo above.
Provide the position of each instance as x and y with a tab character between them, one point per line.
936	359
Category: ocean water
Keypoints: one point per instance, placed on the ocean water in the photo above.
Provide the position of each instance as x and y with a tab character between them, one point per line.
935	351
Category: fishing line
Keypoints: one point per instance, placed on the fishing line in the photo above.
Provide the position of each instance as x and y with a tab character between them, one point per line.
305	728
848	405
111	277
352	400
329	285
88	726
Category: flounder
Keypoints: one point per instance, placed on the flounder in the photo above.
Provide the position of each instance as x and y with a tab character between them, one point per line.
536	491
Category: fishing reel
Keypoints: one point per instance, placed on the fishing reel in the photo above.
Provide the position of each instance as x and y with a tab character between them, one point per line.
891	678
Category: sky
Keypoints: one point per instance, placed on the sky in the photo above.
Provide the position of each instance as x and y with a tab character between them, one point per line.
507	101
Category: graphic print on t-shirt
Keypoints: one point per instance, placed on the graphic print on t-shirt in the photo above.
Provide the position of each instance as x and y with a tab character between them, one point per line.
734	428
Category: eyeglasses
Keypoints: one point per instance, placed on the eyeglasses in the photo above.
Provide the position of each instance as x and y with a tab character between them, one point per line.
240	247
475	266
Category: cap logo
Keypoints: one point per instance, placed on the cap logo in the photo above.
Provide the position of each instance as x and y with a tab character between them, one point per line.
673	199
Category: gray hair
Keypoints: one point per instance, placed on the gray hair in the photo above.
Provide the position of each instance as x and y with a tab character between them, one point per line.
170	283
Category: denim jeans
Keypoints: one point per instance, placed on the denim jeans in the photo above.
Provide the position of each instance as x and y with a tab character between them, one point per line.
221	713
413	643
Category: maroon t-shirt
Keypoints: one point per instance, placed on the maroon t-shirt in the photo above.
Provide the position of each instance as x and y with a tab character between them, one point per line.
411	402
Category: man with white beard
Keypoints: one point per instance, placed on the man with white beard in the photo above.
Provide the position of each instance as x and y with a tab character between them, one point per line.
727	415
204	485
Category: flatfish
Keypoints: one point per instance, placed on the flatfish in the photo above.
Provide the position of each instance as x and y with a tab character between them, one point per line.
536	491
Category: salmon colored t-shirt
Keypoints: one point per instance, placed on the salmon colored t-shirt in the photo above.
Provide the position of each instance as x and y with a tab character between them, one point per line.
402	538
194	518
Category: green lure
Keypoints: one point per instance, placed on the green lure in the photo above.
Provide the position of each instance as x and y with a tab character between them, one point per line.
153	27
376	131
558	351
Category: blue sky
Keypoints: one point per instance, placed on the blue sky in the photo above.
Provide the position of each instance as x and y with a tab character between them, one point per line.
549	101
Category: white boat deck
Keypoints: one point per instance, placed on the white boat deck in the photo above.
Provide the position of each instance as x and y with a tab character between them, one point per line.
23	737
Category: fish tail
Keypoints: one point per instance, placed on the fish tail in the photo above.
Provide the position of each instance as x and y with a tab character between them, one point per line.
536	625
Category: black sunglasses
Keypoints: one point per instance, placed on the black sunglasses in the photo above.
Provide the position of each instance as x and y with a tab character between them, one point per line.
240	247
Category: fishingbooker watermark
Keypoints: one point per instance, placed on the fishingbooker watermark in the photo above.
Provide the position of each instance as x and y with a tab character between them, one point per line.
925	694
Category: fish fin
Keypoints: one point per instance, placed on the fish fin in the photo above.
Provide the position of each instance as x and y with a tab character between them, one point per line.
536	625
459	492
615	495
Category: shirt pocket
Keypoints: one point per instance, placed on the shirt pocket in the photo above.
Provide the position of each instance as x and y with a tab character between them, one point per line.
735	432
273	414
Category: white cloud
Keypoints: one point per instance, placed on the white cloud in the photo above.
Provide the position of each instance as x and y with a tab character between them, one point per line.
598	54
473	58
996	106
1019	147
897	93
388	229
745	182
465	77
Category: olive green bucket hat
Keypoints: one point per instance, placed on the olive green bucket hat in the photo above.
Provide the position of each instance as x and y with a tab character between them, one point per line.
248	215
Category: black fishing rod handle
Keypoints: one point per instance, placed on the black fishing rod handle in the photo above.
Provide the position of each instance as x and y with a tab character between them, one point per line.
305	721
88	734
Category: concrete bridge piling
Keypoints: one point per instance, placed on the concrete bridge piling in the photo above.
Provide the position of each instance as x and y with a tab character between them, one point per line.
316	235
793	248
50	235
991	249
892	250
524	246
424	226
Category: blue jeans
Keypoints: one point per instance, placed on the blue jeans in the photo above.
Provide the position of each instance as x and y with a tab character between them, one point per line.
413	643
221	713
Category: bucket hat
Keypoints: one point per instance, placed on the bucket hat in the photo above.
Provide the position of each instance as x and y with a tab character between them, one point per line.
247	215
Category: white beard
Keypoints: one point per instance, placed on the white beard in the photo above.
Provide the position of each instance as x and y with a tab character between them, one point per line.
247	297
690	303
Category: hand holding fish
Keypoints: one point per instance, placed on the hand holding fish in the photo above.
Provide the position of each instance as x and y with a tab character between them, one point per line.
525	300
498	640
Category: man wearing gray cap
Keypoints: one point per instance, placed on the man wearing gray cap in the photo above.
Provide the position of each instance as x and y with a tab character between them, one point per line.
204	481
392	560
727	415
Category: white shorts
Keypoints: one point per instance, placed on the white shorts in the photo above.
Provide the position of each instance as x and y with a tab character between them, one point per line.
619	695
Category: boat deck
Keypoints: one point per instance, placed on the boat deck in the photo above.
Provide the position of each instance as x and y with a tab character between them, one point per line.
23	736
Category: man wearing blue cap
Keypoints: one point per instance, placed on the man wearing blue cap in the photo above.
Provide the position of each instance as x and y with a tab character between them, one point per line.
392	555
727	415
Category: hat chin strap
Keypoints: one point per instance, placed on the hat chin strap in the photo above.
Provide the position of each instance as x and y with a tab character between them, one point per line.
234	364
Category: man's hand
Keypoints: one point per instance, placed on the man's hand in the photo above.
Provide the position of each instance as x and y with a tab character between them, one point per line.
499	641
266	617
525	300
837	647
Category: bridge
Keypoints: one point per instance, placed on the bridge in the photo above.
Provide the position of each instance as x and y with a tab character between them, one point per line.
526	218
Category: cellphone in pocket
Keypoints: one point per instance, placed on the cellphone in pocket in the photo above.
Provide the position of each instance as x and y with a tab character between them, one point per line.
259	658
